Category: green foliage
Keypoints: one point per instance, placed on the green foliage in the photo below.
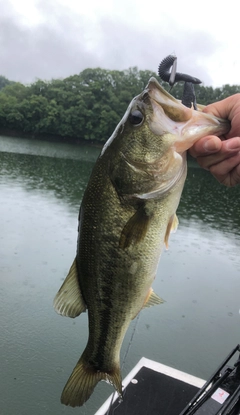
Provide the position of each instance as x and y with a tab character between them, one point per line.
4	82
88	105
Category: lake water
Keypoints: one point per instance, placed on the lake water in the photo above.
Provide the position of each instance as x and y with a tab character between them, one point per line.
41	186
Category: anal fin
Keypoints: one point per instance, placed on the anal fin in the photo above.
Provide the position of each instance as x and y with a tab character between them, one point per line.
68	300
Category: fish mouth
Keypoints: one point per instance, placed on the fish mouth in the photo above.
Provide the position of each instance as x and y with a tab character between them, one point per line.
185	125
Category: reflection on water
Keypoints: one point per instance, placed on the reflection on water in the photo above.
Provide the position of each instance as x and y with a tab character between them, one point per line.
65	179
207	201
48	149
41	185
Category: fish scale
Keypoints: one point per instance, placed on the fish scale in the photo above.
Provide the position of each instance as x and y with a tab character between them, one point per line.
127	213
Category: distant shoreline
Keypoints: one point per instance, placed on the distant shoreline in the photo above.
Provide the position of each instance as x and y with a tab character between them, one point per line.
49	137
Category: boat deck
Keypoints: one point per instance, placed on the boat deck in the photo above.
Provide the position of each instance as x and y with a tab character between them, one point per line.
154	389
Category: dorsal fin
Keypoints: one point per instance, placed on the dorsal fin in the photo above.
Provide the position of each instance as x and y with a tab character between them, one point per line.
69	301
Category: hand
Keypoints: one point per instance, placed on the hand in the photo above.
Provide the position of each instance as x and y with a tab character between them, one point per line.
222	158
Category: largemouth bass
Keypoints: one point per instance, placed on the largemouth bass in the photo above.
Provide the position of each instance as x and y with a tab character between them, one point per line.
127	213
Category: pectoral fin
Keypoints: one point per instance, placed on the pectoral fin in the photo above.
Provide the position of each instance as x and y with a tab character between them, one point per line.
69	301
135	229
152	299
172	227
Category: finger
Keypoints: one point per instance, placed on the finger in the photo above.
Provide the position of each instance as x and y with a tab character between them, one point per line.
225	166
228	108
225	108
211	150
232	144
207	162
228	171
206	145
219	109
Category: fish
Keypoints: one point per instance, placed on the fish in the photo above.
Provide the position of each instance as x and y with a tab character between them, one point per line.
126	216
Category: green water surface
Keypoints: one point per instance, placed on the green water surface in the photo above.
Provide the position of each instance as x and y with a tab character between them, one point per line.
41	186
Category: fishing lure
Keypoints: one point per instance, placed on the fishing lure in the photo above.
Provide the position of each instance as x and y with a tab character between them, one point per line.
189	96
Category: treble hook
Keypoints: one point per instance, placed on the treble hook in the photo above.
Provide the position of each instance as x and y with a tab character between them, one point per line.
172	77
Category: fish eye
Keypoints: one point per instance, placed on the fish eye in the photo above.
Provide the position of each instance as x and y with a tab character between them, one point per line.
136	117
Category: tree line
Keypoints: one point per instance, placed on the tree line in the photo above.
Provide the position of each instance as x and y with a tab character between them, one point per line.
86	106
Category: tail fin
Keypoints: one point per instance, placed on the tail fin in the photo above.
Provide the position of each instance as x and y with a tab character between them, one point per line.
83	380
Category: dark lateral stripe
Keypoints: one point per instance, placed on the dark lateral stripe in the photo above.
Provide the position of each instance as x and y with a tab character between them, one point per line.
105	330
